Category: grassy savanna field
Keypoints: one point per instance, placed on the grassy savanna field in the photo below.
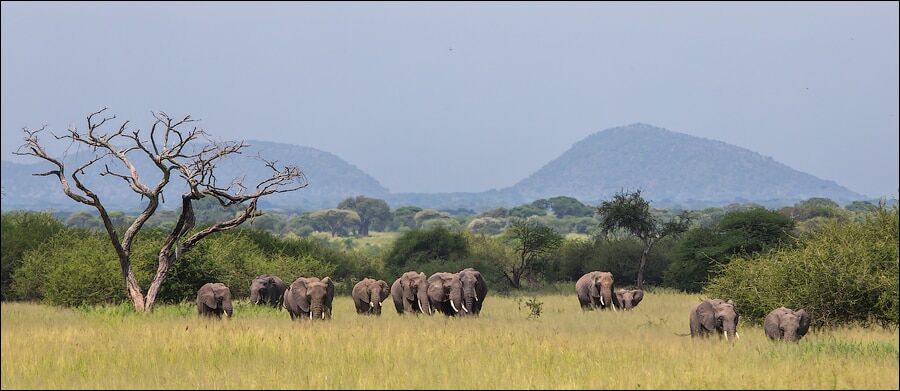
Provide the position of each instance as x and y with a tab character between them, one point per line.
46	347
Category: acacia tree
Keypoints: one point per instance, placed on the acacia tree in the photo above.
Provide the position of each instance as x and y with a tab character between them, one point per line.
530	241
371	211
631	212
336	221
175	147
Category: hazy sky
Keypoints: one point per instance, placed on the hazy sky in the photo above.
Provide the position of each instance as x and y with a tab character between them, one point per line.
814	86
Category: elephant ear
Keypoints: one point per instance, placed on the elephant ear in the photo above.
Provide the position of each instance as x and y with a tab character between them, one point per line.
638	296
210	300
706	313
594	291
804	322
384	289
298	292
621	296
772	325
329	290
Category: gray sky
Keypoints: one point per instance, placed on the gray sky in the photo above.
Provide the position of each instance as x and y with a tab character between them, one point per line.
814	86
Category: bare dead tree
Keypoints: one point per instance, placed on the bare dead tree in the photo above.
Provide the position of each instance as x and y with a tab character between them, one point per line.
167	146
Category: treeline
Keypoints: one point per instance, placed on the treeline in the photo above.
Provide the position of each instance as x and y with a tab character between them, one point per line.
357	216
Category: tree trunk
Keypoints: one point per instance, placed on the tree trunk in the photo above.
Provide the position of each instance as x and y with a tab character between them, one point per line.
164	262
364	229
644	254
134	291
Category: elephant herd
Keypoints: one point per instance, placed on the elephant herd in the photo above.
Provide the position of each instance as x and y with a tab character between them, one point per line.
463	294
452	294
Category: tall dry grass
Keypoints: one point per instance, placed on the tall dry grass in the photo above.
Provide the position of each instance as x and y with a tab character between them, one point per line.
44	347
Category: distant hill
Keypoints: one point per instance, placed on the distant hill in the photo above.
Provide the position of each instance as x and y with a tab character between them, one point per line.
330	180
671	167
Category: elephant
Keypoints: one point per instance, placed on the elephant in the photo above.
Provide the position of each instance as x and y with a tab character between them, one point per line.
214	299
444	293
784	323
595	291
309	297
714	316
628	299
410	294
267	289
474	290
368	295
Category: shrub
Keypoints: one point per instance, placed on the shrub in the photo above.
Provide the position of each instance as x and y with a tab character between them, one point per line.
417	247
702	251
21	232
843	272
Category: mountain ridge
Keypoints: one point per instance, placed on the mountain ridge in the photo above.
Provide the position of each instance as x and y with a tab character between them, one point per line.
670	167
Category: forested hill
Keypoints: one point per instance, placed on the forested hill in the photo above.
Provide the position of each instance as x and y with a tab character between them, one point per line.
671	167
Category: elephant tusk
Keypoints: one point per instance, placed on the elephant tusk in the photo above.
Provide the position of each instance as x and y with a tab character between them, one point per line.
463	305
601	301
310	315
726	335
323	315
453	305
420	306
736	335
476	296
372	304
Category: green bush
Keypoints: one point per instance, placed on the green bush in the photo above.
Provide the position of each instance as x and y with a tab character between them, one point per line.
418	247
704	250
73	268
20	232
843	272
77	267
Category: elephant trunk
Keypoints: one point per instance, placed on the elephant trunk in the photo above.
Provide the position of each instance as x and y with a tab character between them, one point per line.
229	310
254	296
317	310
606	298
375	304
469	300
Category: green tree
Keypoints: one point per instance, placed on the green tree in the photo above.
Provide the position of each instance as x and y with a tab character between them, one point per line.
525	211
861	207
631	212
336	221
83	220
371	211
497	213
429	214
486	225
404	217
530	241
568	206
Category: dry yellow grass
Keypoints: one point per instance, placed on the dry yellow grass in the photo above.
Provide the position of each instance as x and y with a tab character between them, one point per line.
44	347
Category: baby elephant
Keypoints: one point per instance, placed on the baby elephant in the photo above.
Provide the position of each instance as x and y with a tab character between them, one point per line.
214	299
368	295
628	299
789	325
